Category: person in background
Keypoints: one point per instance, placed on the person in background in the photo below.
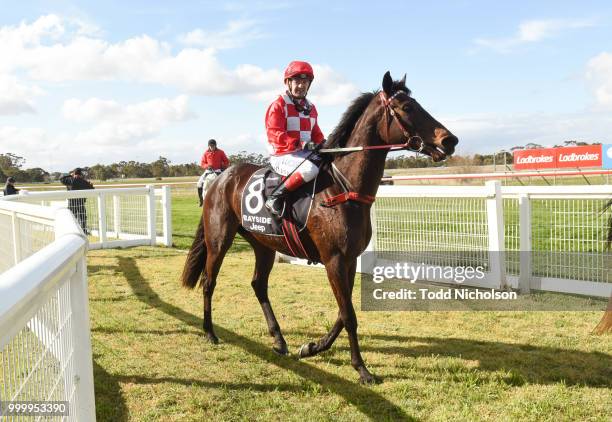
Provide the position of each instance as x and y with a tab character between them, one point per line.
9	187
213	161
76	181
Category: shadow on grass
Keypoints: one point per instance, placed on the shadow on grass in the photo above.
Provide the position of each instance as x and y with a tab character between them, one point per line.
110	404
370	403
526	363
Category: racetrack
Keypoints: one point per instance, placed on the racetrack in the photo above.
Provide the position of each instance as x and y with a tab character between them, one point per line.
152	363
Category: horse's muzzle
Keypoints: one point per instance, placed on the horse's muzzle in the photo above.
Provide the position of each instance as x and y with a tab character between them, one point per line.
448	144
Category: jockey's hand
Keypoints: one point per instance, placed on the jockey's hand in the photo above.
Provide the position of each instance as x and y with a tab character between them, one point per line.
311	146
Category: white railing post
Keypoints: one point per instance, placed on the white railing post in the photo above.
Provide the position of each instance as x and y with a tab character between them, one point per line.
369	261
495	220
16	238
102	219
166	202
151	226
525	271
117	216
82	344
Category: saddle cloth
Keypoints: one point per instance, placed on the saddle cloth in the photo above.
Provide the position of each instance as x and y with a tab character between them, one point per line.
256	218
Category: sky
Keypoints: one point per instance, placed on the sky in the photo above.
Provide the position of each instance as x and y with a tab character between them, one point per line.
84	82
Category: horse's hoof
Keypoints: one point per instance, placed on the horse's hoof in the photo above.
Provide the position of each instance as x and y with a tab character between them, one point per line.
281	350
306	350
369	379
213	339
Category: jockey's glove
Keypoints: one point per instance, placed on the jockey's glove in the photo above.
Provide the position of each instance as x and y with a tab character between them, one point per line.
311	146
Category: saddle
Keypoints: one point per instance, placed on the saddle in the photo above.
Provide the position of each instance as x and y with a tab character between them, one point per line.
256	218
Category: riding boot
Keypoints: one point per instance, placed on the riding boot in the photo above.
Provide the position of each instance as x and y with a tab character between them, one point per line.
276	201
200	196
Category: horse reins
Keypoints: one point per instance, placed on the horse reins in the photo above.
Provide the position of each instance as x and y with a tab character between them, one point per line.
349	195
388	110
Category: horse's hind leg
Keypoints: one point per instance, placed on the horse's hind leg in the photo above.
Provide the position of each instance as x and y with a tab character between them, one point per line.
219	238
264	260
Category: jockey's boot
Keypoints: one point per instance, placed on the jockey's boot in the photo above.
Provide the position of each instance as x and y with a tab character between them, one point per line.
276	201
200	196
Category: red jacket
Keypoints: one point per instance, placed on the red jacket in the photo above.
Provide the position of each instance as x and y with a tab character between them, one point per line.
215	159
287	129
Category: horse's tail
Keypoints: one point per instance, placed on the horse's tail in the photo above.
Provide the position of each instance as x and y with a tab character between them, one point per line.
196	259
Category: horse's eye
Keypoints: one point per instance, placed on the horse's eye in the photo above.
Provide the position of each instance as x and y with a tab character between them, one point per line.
407	108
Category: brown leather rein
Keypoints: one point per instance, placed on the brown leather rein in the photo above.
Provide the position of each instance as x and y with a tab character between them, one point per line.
413	143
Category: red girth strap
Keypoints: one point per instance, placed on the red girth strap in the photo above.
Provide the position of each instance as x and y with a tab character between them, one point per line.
348	196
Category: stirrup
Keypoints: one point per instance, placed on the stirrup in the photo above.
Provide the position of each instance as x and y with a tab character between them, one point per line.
271	206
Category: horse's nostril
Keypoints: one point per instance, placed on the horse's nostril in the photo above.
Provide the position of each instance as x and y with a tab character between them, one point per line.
450	142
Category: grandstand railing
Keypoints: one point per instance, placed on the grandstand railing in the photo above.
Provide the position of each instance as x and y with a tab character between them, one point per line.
45	346
111	218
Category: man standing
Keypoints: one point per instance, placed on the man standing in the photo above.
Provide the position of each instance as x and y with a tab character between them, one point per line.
9	188
213	161
76	181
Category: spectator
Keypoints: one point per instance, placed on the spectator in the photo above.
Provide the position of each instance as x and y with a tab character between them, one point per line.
9	188
76	181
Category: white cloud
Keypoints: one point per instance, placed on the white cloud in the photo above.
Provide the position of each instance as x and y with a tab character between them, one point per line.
15	97
53	49
236	34
599	76
485	133
533	31
116	124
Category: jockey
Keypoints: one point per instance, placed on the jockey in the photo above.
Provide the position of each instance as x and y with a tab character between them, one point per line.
214	161
293	132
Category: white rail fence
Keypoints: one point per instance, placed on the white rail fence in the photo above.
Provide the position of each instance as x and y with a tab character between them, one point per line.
548	238
45	346
111	218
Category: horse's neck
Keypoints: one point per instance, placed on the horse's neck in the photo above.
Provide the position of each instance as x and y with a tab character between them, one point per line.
363	169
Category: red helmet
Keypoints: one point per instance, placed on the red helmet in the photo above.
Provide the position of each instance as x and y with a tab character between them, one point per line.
299	69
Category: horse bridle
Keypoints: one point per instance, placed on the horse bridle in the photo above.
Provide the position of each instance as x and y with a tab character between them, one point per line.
388	109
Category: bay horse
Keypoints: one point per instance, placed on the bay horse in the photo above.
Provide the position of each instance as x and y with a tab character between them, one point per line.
334	235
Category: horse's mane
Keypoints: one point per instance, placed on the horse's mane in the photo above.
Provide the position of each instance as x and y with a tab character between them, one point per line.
342	132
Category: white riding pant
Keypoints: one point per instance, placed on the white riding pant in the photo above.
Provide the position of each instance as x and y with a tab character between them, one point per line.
286	163
206	179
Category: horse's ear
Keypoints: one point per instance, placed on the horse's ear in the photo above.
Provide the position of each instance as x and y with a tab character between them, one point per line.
387	83
403	81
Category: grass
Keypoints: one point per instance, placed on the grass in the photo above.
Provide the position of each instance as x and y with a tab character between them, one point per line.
152	363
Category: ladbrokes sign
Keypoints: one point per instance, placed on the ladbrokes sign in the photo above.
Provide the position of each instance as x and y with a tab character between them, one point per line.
549	158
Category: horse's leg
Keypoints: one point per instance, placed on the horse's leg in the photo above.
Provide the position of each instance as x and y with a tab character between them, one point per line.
264	260
325	342
338	275
219	238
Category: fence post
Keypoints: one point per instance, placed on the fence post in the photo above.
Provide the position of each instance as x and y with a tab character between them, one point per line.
16	238
81	334
102	220
117	216
495	220
151	226
367	263
525	243
166	202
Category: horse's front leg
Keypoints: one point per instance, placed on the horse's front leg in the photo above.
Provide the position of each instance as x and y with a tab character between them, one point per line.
338	273
325	342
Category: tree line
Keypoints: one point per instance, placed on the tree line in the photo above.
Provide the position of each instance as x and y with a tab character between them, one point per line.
13	165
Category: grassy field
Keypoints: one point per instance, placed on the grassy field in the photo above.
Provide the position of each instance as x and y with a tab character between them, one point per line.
151	362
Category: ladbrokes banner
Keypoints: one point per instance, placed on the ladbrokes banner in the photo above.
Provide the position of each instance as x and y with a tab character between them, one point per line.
550	158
